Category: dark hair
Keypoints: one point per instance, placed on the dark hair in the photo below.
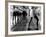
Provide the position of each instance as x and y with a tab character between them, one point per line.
16	13
24	13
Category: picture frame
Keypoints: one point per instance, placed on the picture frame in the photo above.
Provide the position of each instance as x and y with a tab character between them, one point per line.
32	5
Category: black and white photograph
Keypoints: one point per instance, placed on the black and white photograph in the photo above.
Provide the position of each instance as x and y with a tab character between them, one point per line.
25	18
